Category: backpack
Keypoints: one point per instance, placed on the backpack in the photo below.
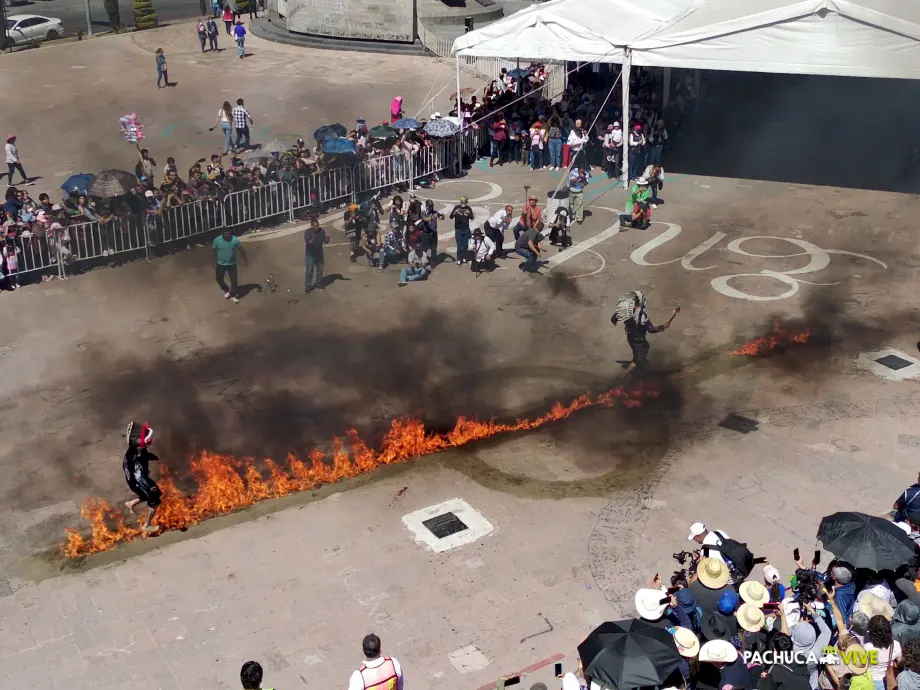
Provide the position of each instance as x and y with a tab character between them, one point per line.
737	556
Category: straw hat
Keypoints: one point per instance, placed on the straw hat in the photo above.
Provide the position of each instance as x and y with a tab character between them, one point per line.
873	605
688	644
752	592
857	661
718	651
713	573
750	617
648	603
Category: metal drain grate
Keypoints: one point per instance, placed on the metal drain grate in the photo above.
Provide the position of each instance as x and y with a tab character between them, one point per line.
444	525
743	425
893	362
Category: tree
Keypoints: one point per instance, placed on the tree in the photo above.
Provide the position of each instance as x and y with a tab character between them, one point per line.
111	9
145	15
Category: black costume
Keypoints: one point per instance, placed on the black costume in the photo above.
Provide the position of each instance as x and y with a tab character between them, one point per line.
631	311
136	464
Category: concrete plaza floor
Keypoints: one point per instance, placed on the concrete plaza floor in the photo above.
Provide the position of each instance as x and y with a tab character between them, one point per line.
583	512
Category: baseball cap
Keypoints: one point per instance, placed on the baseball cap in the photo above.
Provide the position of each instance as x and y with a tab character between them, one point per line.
696	529
728	602
148	194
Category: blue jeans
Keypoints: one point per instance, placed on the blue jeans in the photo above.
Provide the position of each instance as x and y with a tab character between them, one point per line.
635	163
529	257
410	273
228	138
242	135
654	154
241	46
555	153
161	75
313	277
462	238
202	39
388	257
536	158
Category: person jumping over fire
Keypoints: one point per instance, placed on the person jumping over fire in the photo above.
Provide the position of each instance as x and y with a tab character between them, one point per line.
631	311
136	465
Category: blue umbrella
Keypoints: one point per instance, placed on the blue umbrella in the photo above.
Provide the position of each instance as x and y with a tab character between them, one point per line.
78	183
519	73
406	123
338	145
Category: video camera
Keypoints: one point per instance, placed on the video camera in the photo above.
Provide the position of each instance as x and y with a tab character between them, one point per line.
690	559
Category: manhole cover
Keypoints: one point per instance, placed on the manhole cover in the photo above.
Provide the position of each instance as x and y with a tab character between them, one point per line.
444	525
893	362
735	422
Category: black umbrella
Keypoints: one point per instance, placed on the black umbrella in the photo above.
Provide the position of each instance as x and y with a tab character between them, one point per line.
629	654
866	541
383	132
329	132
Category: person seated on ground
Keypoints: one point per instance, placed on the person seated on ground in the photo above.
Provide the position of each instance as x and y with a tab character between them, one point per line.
417	268
655	176
528	246
391	252
560	227
638	212
531	214
484	249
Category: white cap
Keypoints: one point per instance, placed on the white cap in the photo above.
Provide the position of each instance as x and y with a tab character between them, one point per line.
696	529
148	194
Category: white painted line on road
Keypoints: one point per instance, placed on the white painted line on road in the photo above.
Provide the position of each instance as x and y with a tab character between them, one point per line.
584	246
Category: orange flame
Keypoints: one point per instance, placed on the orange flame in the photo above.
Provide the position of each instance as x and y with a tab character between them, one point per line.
227	484
768	343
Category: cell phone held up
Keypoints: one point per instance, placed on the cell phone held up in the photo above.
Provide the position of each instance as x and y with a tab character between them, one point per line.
795	554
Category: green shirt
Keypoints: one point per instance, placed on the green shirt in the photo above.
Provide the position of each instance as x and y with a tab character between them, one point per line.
226	250
637	195
863	682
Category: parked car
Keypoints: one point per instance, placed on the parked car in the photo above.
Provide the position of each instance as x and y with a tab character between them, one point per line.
23	28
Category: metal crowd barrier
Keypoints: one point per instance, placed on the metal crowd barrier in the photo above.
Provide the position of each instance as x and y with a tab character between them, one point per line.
334	184
380	173
83	244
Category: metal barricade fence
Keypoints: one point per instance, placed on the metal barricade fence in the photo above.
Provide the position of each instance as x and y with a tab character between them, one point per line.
249	206
380	173
334	184
37	253
431	159
86	242
195	218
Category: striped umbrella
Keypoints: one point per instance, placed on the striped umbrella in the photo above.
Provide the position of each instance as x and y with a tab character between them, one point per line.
112	183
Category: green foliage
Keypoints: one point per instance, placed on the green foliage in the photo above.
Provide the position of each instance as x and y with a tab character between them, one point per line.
145	15
242	6
111	9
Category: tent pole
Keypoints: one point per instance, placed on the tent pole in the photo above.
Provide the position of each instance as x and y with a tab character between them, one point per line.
624	84
460	117
666	95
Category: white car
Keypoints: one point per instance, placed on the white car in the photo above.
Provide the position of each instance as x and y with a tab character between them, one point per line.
23	28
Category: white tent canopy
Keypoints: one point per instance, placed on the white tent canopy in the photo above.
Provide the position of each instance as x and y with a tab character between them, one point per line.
860	38
571	30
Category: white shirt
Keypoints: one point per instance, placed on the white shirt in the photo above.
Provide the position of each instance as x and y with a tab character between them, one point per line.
893	653
356	682
614	139
575	142
484	248
12	153
500	220
648	173
712	539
